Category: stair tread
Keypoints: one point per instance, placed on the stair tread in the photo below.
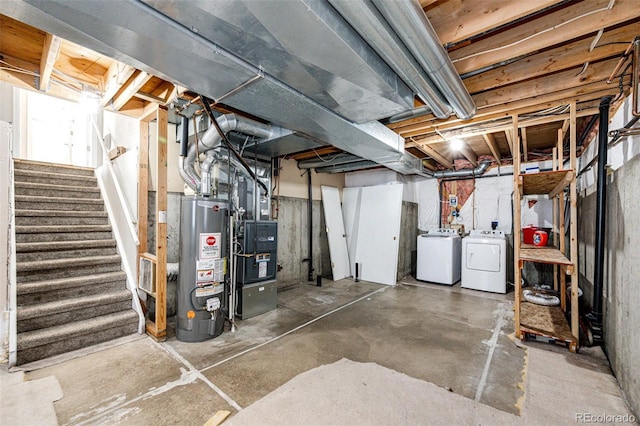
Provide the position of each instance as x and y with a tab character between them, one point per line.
30	339
70	200
53	187
62	245
36	229
37	286
39	173
61	263
61	213
23	161
65	305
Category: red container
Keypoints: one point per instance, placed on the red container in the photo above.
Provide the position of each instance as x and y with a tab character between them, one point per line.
540	238
527	233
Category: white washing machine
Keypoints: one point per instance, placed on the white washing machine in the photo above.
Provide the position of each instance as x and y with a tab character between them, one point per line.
484	261
439	256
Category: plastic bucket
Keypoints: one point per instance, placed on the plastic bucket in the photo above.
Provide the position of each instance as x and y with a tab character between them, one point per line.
540	238
527	233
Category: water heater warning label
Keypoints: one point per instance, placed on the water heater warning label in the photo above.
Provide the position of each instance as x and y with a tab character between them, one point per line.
210	246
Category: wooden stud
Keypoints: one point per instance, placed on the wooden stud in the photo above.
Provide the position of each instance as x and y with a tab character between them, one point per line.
50	51
143	187
517	226
556	234
161	224
573	226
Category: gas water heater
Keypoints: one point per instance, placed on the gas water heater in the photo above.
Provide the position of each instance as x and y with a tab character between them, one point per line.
202	290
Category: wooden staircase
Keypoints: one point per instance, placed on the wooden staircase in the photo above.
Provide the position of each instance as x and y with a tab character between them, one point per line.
71	291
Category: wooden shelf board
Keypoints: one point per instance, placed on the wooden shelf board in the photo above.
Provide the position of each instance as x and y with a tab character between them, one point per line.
548	321
545	182
548	255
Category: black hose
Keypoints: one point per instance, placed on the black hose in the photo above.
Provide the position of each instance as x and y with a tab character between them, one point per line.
207	108
184	142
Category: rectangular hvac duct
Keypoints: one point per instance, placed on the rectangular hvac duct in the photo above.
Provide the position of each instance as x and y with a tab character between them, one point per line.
305	44
139	35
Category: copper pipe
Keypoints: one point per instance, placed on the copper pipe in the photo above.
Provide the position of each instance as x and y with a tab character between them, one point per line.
621	61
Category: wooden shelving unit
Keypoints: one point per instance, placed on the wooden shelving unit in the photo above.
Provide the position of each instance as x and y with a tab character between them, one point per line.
533	319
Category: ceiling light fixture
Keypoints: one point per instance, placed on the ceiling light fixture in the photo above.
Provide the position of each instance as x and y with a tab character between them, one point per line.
456	144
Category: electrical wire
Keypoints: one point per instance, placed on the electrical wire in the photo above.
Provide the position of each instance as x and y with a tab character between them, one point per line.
322	159
515	43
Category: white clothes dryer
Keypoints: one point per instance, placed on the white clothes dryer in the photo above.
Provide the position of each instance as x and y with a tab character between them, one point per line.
439	256
484	261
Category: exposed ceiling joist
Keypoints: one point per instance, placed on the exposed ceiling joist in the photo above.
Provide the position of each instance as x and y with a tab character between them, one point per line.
491	143
117	75
488	127
459	20
561	58
510	139
50	51
436	156
525	147
566	24
596	72
129	89
469	153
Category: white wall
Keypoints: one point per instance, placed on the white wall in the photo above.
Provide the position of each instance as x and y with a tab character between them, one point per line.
385	177
174	181
293	181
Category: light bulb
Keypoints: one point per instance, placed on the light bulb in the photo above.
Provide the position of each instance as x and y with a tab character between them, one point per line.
456	144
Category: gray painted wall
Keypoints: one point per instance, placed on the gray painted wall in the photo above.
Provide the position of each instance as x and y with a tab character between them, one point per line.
622	269
408	240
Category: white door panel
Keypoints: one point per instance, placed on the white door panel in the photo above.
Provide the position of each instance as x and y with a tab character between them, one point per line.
351	198
379	232
335	232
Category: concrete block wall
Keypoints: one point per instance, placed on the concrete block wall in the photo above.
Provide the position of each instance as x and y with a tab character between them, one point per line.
622	269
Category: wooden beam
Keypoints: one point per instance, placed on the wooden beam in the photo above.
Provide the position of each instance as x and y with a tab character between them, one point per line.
143	188
469	153
490	126
525	147
595	73
493	147
113	80
458	20
568	23
126	92
566	56
560	149
581	94
50	52
436	156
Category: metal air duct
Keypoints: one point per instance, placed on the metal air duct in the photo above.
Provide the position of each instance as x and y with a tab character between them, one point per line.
410	23
156	41
328	160
367	21
457	174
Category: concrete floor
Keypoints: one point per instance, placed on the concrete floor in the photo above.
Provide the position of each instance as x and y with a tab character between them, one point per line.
451	344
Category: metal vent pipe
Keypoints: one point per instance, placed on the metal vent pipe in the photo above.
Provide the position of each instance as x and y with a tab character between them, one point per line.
410	23
478	171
